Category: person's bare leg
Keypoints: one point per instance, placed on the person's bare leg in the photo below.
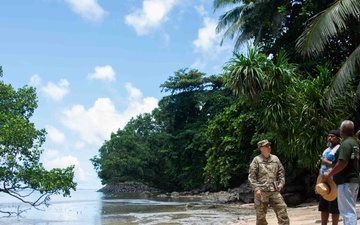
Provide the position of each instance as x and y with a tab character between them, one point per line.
325	218
335	219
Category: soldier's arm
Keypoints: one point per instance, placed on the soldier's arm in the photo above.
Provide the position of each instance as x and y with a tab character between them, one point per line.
253	175
281	175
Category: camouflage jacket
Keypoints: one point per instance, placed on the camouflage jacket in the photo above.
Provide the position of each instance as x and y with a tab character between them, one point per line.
266	173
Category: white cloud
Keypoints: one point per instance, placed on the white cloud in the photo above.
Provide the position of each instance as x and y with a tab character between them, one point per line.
52	91
51	153
207	44
102	73
201	10
152	15
62	162
87	9
199	64
55	135
56	91
208	40
134	93
79	145
35	80
138	104
95	124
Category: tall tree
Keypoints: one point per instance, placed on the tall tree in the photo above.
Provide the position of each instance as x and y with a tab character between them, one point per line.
257	20
276	24
195	99
22	175
342	15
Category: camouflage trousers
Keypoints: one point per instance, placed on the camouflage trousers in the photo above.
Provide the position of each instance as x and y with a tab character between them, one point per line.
277	203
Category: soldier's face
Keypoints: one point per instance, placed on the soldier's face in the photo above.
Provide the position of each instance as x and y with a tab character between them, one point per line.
265	150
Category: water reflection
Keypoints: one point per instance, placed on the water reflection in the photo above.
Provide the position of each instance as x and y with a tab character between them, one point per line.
131	209
87	207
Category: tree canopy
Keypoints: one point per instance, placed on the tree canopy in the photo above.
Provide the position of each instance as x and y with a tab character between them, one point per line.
22	175
167	148
339	23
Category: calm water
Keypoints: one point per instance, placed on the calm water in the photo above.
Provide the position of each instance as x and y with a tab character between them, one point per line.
87	207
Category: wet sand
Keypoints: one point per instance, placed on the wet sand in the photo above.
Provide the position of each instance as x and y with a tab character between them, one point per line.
304	214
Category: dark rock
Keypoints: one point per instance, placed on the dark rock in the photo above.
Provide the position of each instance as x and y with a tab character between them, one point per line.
127	188
247	198
175	194
244	188
146	194
292	199
246	194
295	188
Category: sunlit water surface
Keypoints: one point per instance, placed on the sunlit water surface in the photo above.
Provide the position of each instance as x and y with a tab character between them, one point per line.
87	207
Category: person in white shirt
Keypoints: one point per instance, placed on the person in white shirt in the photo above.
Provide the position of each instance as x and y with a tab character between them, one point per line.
326	207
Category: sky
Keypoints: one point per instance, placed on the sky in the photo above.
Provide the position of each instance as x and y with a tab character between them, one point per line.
96	64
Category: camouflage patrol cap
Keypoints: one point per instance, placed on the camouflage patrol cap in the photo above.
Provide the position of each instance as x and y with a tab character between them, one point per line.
263	143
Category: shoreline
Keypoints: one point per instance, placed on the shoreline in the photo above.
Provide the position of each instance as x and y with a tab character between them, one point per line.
303	214
90	207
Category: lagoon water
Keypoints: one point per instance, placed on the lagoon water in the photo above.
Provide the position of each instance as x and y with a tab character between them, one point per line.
89	207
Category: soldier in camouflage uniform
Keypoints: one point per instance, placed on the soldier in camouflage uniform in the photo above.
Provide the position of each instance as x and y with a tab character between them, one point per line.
267	177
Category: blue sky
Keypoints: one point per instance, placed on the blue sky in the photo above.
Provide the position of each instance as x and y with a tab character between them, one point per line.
98	63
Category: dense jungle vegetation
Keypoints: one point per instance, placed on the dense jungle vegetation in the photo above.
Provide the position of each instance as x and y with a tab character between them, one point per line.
298	80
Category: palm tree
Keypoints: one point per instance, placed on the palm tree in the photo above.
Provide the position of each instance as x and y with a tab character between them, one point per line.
319	32
249	19
249	75
244	74
232	21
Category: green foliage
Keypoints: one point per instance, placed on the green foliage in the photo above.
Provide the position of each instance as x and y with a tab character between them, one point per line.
189	112
286	108
337	25
277	25
290	100
315	116
133	154
228	157
243	74
20	143
260	21
202	134
166	149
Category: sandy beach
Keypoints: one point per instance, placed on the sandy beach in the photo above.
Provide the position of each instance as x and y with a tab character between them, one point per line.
304	214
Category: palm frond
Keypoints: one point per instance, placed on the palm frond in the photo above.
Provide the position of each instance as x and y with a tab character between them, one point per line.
325	25
244	37
217	4
232	22
228	18
344	75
